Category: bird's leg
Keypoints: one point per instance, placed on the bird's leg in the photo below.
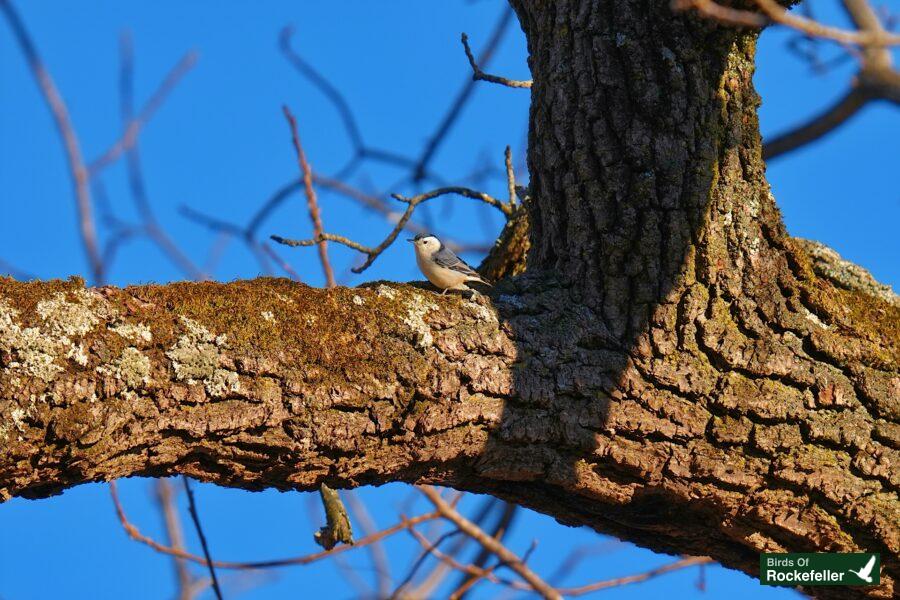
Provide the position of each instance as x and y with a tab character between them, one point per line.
444	292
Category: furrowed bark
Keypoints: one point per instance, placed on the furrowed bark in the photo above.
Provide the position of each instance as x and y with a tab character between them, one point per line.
670	369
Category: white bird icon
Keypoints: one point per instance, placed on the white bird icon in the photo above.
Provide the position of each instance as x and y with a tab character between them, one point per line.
866	572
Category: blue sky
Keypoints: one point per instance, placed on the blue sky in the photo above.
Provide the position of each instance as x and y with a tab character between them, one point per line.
220	145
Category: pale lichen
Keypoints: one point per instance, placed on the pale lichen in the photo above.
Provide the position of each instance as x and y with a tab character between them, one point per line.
357	300
222	382
195	358
133	367
196	354
34	351
385	292
268	316
133	332
64	316
417	308
78	354
72	318
482	313
814	319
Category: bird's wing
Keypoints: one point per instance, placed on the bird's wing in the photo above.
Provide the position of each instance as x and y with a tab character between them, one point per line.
447	259
866	570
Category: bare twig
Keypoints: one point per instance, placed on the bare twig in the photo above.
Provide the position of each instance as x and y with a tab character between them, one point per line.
489	543
579	554
460	191
420	170
70	140
690	561
477	573
311	200
411	203
440	570
361	150
829	120
875	80
479	75
135	534
429	549
772	12
165	495
372	202
261	250
380	562
192	507
136	124
510	178
282	264
14	272
499	532
482	573
136	181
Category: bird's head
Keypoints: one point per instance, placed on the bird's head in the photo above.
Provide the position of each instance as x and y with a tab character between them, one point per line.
426	243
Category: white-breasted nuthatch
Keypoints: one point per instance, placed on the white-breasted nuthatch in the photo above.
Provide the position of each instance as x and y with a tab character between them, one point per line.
441	266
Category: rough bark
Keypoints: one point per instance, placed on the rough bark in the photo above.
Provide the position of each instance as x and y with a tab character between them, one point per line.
670	369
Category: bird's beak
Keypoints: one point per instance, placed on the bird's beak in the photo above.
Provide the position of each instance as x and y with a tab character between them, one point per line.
410	240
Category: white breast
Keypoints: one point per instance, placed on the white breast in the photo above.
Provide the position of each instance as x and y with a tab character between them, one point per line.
439	276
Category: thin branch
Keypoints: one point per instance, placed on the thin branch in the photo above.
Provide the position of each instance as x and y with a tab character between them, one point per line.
481	573
70	140
818	126
430	549
135	534
411	203
282	264
437	138
479	75
372	202
875	80
499	532
311	200
325	86
136	180
380	562
772	12
477	573
14	272
440	570
460	191
578	555
360	149
192	507
510	178
165	495
489	544
874	37
684	563
137	123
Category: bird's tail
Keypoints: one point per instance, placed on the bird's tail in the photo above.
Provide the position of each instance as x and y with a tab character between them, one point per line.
481	279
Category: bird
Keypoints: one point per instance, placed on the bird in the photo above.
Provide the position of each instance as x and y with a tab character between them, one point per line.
866	572
443	268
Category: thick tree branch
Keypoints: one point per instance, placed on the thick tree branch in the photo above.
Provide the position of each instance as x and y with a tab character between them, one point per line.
671	369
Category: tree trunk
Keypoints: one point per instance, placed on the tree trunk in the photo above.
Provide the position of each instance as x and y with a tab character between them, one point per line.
669	370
